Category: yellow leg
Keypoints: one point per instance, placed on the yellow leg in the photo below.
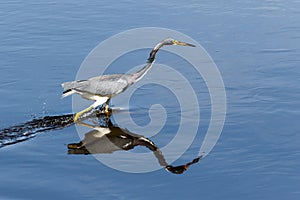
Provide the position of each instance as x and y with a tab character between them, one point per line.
77	115
107	112
106	108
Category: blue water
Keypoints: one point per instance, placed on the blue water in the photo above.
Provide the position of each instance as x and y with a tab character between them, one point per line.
255	44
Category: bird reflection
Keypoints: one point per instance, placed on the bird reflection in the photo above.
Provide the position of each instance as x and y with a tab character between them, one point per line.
104	137
107	138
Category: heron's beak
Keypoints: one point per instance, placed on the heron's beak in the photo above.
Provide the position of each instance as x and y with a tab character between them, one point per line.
176	42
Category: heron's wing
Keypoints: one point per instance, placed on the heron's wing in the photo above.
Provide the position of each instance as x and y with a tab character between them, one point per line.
106	85
73	84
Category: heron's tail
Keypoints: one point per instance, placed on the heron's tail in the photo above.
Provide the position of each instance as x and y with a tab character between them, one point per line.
73	87
67	93
67	86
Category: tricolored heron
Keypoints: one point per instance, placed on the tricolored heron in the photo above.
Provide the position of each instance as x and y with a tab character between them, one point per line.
102	88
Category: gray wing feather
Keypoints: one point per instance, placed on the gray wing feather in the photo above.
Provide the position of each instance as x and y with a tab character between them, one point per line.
106	85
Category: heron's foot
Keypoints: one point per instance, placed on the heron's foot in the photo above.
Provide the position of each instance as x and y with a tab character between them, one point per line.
103	110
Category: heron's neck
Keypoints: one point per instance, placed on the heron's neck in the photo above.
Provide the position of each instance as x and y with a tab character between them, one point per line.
150	61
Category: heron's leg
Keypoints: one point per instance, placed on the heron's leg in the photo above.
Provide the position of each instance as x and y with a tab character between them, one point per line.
77	115
107	106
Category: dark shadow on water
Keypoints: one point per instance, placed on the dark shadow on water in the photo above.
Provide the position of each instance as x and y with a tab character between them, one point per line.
104	137
27	130
24	131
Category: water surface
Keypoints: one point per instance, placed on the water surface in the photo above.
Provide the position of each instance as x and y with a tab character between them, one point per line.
256	47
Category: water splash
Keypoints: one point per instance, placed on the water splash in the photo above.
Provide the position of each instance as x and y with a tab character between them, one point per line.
30	129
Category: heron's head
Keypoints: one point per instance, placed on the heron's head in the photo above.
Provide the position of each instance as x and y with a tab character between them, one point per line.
171	41
167	41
